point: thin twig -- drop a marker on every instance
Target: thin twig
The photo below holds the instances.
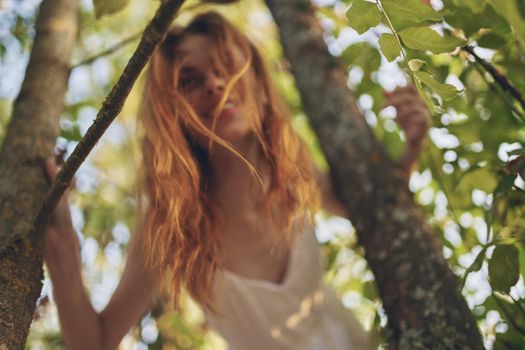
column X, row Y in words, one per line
column 126, row 41
column 518, row 305
column 398, row 39
column 108, row 51
column 509, row 317
column 111, row 107
column 499, row 90
column 439, row 178
column 500, row 78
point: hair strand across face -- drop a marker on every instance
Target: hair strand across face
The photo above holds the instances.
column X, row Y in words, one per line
column 181, row 224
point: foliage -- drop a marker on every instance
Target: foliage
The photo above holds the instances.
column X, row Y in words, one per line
column 406, row 21
column 108, row 7
column 474, row 195
column 469, row 181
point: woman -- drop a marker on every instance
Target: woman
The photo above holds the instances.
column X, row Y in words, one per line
column 228, row 190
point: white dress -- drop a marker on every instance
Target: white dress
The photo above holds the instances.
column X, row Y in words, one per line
column 302, row 312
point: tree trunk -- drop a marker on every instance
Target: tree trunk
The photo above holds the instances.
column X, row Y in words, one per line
column 30, row 138
column 420, row 295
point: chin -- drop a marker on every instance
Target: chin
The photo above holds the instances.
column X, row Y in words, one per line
column 235, row 136
column 236, row 133
column 233, row 131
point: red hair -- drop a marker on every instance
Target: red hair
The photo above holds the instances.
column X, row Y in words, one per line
column 181, row 223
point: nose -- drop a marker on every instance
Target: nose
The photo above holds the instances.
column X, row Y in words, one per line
column 215, row 84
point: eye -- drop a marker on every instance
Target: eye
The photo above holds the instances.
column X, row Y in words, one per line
column 189, row 82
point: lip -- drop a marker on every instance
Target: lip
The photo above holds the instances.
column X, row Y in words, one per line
column 228, row 110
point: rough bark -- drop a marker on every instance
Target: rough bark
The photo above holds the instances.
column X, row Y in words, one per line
column 111, row 107
column 420, row 294
column 31, row 135
column 29, row 139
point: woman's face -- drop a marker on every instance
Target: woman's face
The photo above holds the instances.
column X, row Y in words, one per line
column 203, row 87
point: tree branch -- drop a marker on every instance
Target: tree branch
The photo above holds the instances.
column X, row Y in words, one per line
column 108, row 51
column 113, row 104
column 500, row 78
column 500, row 91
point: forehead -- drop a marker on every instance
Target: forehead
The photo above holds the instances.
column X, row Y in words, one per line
column 197, row 49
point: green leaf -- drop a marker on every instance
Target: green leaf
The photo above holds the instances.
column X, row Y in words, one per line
column 424, row 38
column 72, row 134
column 416, row 64
column 107, row 7
column 447, row 91
column 389, row 46
column 504, row 268
column 505, row 185
column 508, row 240
column 410, row 10
column 362, row 54
column 475, row 266
column 467, row 132
column 470, row 22
column 432, row 107
column 363, row 15
column 492, row 41
column 476, row 6
column 3, row 51
column 370, row 290
column 510, row 10
column 517, row 152
column 521, row 8
column 480, row 178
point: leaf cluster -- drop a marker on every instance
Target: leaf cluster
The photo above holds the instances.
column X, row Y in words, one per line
column 471, row 177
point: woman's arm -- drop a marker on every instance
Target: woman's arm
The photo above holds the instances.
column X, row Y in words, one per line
column 82, row 326
column 131, row 298
column 413, row 117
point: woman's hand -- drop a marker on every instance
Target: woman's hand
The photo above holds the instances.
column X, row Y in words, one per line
column 413, row 115
column 414, row 118
column 61, row 241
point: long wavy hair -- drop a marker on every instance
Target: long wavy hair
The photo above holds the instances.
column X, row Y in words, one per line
column 181, row 223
